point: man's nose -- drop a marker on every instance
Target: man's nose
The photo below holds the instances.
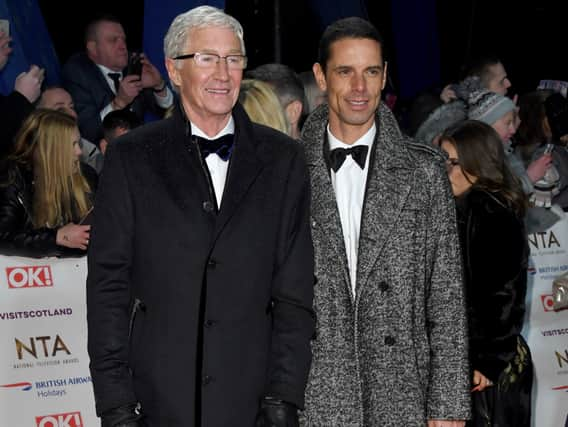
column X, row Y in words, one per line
column 222, row 69
column 358, row 82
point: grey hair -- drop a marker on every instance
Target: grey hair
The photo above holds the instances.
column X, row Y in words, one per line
column 199, row 17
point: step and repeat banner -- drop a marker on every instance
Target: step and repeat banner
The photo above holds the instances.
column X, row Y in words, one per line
column 44, row 366
column 546, row 330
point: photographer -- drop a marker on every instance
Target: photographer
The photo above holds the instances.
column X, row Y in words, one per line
column 106, row 78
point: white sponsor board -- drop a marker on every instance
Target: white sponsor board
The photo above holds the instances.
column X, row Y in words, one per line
column 44, row 374
column 546, row 331
column 44, row 366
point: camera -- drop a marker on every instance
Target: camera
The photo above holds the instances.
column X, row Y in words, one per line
column 134, row 64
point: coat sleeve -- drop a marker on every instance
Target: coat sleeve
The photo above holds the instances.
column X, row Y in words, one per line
column 496, row 277
column 88, row 104
column 15, row 239
column 449, row 383
column 108, row 287
column 292, row 294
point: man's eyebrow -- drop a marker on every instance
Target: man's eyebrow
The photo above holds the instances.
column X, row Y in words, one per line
column 235, row 51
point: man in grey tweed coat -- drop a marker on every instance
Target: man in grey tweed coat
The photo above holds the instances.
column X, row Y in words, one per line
column 391, row 341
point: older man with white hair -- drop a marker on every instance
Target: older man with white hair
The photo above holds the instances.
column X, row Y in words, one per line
column 200, row 282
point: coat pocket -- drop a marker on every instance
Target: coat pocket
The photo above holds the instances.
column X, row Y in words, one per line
column 135, row 330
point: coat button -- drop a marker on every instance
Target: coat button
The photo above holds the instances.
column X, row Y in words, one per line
column 207, row 379
column 208, row 206
column 209, row 323
column 389, row 340
column 211, row 263
column 384, row 286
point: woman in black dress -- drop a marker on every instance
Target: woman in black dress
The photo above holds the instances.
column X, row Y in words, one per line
column 491, row 206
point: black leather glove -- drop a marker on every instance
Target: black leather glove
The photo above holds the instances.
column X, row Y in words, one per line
column 277, row 413
column 123, row 416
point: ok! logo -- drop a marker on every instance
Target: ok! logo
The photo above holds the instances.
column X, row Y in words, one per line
column 69, row 419
column 37, row 276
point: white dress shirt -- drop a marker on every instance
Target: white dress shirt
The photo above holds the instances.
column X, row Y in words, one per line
column 349, row 186
column 162, row 101
column 217, row 167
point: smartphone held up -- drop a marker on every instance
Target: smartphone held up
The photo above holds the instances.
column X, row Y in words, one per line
column 134, row 64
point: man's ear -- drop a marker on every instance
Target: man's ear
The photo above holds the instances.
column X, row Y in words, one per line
column 173, row 72
column 92, row 49
column 294, row 112
column 320, row 77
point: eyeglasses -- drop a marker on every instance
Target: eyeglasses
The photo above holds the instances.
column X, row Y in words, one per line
column 210, row 60
column 451, row 162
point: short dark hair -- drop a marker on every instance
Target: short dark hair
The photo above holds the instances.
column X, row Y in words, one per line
column 480, row 67
column 114, row 120
column 93, row 25
column 284, row 81
column 354, row 28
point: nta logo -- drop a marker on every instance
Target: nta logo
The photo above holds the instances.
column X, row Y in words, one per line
column 543, row 240
column 44, row 349
column 561, row 358
column 69, row 419
column 29, row 277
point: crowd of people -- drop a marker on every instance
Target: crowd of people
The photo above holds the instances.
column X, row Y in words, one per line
column 313, row 261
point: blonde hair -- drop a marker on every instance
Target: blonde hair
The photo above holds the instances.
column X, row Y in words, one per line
column 262, row 106
column 45, row 143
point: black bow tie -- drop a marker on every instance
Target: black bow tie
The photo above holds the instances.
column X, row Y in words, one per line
column 222, row 146
column 358, row 153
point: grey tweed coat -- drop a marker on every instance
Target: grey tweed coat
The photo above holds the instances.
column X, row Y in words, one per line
column 395, row 354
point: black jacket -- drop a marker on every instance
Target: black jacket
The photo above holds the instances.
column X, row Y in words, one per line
column 91, row 93
column 17, row 233
column 495, row 252
column 193, row 313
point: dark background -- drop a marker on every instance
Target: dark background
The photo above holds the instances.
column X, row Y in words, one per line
column 529, row 37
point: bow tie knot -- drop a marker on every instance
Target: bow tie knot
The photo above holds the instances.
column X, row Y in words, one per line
column 222, row 146
column 338, row 155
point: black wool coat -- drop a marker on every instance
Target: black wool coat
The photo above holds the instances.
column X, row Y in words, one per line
column 194, row 314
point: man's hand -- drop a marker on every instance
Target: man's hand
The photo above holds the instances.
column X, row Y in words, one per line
column 151, row 77
column 446, row 423
column 29, row 83
column 5, row 49
column 124, row 416
column 276, row 413
column 129, row 88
